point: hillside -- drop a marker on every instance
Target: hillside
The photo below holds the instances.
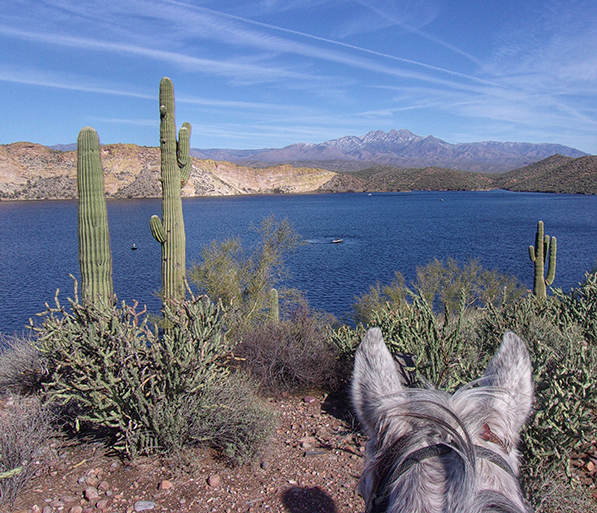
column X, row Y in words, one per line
column 386, row 179
column 554, row 174
column 32, row 171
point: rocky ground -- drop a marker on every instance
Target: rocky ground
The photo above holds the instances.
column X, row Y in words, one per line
column 312, row 465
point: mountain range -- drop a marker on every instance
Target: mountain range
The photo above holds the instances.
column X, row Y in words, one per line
column 398, row 148
column 33, row 171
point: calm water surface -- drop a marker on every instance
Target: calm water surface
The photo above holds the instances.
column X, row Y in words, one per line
column 382, row 233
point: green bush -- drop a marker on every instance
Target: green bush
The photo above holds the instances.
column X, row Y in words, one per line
column 444, row 284
column 145, row 386
column 560, row 335
column 564, row 369
column 243, row 281
column 580, row 307
column 435, row 343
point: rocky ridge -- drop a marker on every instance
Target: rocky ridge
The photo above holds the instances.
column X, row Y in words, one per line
column 33, row 171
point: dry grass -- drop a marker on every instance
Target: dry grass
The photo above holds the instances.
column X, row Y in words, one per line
column 25, row 434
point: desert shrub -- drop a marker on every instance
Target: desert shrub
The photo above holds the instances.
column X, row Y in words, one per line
column 444, row 284
column 243, row 280
column 100, row 359
column 564, row 360
column 293, row 355
column 580, row 307
column 441, row 355
column 144, row 386
column 22, row 367
column 564, row 369
column 25, row 434
column 231, row 418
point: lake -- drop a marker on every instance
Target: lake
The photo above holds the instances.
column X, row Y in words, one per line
column 382, row 233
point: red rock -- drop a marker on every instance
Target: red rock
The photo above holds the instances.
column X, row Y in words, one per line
column 102, row 504
column 165, row 485
column 214, row 480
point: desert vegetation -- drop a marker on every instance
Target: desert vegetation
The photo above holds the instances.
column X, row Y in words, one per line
column 200, row 375
column 152, row 389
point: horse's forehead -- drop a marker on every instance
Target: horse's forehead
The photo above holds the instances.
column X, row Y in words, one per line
column 464, row 408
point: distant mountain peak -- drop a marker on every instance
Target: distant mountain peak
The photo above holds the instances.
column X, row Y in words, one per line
column 400, row 148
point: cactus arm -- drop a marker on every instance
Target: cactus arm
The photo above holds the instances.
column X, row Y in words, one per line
column 95, row 256
column 532, row 253
column 551, row 271
column 185, row 162
column 157, row 230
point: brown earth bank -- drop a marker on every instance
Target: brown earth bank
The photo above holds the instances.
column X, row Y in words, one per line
column 32, row 171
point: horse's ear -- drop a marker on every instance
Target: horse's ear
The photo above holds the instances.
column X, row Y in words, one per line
column 510, row 373
column 375, row 378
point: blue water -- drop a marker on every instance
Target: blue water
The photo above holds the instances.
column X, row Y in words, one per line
column 382, row 233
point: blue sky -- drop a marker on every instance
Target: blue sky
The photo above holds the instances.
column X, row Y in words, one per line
column 267, row 73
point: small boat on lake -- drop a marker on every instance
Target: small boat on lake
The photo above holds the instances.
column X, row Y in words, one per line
column 337, row 241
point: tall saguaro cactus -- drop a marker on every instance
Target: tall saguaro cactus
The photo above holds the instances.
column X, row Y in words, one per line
column 538, row 254
column 95, row 257
column 175, row 171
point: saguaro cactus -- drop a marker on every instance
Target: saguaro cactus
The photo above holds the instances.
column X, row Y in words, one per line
column 95, row 257
column 175, row 171
column 274, row 308
column 538, row 254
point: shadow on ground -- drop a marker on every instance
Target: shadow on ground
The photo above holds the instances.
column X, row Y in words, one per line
column 308, row 500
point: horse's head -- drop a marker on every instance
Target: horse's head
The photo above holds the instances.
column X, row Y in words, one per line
column 431, row 451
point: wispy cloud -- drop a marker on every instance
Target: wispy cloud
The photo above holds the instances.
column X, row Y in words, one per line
column 315, row 66
column 67, row 81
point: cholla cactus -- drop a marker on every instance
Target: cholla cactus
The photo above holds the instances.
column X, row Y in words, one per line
column 175, row 171
column 95, row 257
column 538, row 254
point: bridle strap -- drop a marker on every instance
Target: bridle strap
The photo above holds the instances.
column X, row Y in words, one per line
column 495, row 458
column 379, row 498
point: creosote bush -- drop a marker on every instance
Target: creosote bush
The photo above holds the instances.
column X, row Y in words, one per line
column 150, row 388
column 293, row 355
